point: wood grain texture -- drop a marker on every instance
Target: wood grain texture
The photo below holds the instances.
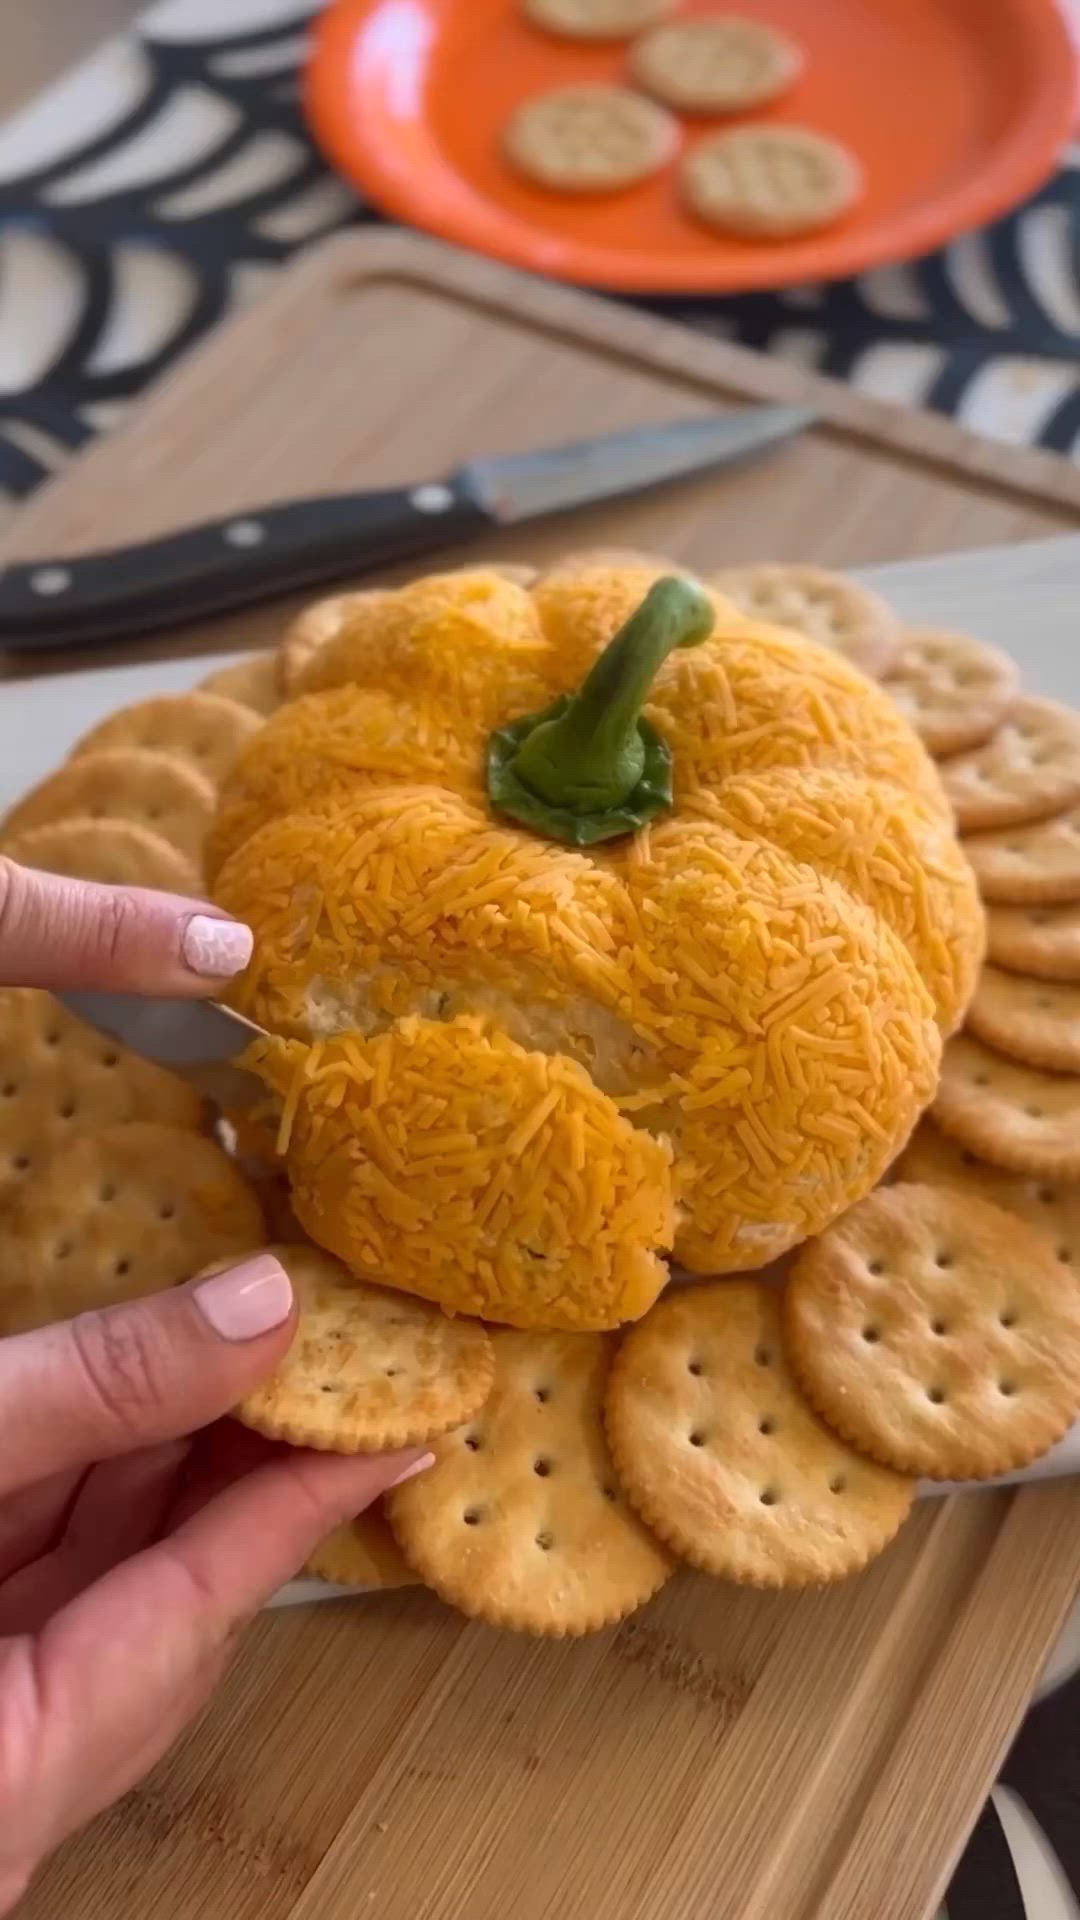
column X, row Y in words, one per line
column 807, row 1757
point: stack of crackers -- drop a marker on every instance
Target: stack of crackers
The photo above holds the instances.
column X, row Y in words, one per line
column 768, row 1430
column 112, row 1183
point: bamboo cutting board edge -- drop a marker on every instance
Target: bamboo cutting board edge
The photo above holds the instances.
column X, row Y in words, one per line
column 795, row 1757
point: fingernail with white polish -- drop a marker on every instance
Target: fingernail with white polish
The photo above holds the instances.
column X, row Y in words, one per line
column 246, row 1300
column 425, row 1461
column 216, row 948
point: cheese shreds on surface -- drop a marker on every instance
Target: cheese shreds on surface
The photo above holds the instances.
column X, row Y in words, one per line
column 510, row 1028
column 889, row 848
column 472, row 641
column 489, row 1217
column 327, row 748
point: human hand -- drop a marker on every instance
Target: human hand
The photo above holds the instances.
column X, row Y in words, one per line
column 131, row 1553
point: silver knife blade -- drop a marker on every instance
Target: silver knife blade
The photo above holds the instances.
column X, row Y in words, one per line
column 514, row 487
column 198, row 1039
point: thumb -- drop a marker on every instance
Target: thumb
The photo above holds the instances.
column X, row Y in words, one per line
column 133, row 1375
column 56, row 932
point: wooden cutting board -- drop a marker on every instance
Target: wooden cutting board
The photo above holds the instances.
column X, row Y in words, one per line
column 752, row 1757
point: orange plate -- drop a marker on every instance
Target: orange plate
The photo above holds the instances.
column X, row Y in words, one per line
column 957, row 109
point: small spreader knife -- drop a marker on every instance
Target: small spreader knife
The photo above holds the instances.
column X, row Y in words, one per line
column 198, row 1039
column 206, row 570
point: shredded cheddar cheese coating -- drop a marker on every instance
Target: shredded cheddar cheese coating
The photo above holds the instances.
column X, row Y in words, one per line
column 491, row 1180
column 754, row 989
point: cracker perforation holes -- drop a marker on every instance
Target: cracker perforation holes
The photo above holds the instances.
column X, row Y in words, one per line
column 63, row 1249
column 936, row 1396
column 1064, row 1255
column 766, row 1425
column 1007, row 1317
column 543, row 1395
column 20, row 1162
column 695, row 1367
column 472, row 1516
column 392, row 1372
column 545, row 1541
column 123, row 1266
column 1007, row 1388
column 110, row 1059
column 1034, row 1113
column 871, row 1334
column 940, row 1327
column 769, row 1497
column 875, row 1267
column 9, row 1089
column 542, row 1468
column 697, row 1438
column 472, row 1441
column 106, row 1193
column 610, row 1493
column 762, row 1356
column 838, row 1483
column 52, row 1039
column 943, row 1260
column 167, row 1210
column 67, row 1111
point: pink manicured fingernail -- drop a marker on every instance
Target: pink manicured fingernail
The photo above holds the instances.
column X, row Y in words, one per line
column 245, row 1301
column 425, row 1461
column 217, row 948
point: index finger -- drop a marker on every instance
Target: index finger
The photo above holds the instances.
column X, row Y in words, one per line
column 58, row 933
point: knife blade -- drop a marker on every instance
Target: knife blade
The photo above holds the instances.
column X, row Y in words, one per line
column 222, row 564
column 198, row 1039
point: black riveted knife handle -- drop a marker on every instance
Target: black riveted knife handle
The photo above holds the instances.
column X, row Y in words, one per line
column 223, row 564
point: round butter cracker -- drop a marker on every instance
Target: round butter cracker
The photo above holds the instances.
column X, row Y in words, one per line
column 1044, row 941
column 1014, row 1116
column 1036, row 1021
column 252, row 683
column 589, row 138
column 118, row 853
column 1053, row 1206
column 937, row 1333
column 126, row 1210
column 124, row 783
column 955, row 690
column 834, row 611
column 370, row 1368
column 363, row 1553
column 203, row 730
column 521, row 1522
column 770, row 181
column 60, row 1078
column 1029, row 770
column 720, row 64
column 1029, row 866
column 722, row 1456
column 595, row 19
column 313, row 628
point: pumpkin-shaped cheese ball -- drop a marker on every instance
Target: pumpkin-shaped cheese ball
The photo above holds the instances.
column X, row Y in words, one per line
column 603, row 919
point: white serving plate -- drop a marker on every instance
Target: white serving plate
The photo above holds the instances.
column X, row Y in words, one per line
column 1024, row 598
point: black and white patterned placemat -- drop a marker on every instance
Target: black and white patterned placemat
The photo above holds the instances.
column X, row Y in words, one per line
column 157, row 186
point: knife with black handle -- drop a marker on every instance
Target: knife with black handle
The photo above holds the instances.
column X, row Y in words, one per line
column 232, row 562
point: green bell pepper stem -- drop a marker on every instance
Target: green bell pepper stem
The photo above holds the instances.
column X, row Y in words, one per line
column 593, row 755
